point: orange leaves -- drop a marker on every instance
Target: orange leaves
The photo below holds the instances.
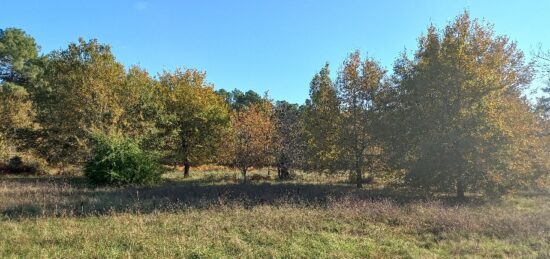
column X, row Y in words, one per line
column 251, row 136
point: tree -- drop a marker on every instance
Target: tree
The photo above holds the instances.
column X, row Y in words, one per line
column 322, row 123
column 194, row 119
column 459, row 114
column 289, row 142
column 250, row 139
column 20, row 64
column 19, row 60
column 238, row 100
column 140, row 97
column 543, row 67
column 80, row 95
column 358, row 84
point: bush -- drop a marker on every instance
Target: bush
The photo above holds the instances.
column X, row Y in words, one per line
column 119, row 161
column 23, row 164
column 15, row 164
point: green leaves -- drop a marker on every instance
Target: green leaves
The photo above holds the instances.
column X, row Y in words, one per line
column 119, row 160
column 194, row 116
column 18, row 57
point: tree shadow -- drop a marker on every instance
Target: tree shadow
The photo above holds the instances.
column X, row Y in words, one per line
column 73, row 197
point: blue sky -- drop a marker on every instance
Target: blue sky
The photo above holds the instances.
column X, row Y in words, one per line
column 262, row 45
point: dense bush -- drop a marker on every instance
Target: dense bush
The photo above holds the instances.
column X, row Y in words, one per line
column 121, row 161
column 15, row 164
column 23, row 164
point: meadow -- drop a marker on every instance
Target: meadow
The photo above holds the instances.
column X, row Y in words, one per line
column 213, row 215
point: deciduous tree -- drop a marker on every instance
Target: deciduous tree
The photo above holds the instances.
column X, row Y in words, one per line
column 80, row 95
column 358, row 84
column 194, row 119
column 322, row 123
column 289, row 144
column 460, row 114
column 249, row 142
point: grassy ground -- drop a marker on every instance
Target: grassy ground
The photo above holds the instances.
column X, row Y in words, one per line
column 212, row 215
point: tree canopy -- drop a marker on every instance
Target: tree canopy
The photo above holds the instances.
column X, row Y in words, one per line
column 453, row 116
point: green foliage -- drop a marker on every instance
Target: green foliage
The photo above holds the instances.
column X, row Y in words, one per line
column 118, row 161
column 238, row 100
column 194, row 117
column 19, row 61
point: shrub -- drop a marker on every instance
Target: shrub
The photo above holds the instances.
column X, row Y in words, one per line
column 120, row 161
column 15, row 165
column 23, row 164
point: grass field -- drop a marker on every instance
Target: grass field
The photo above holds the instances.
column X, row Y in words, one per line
column 212, row 215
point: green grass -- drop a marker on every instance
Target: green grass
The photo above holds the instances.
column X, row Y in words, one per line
column 212, row 215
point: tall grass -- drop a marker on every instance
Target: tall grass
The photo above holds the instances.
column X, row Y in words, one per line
column 211, row 215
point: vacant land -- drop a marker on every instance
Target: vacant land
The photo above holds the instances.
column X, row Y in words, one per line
column 212, row 215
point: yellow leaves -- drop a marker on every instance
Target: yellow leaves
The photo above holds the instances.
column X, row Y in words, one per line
column 196, row 116
column 16, row 109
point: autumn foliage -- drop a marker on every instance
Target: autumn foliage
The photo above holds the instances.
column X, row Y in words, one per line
column 451, row 116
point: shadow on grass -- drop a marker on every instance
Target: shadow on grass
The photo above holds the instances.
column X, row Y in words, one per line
column 73, row 197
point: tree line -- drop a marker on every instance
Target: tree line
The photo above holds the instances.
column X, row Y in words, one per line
column 451, row 116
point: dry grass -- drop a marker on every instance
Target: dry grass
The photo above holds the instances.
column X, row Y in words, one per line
column 210, row 215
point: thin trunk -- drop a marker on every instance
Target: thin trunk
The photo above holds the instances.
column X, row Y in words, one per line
column 359, row 176
column 282, row 172
column 460, row 189
column 243, row 172
column 186, row 170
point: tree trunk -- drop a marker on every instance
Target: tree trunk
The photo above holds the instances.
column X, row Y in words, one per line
column 460, row 189
column 359, row 176
column 243, row 172
column 282, row 172
column 186, row 170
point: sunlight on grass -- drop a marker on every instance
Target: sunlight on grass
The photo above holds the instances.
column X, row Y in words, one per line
column 211, row 214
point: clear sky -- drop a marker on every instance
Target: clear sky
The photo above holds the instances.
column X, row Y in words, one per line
column 261, row 45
